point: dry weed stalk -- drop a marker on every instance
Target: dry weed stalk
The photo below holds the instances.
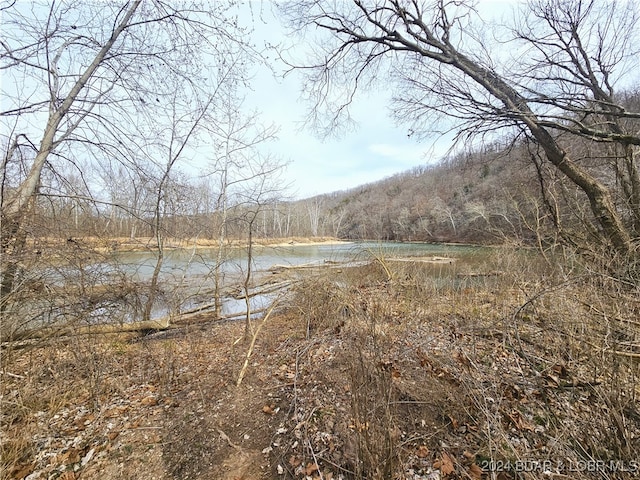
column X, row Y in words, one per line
column 254, row 337
column 534, row 357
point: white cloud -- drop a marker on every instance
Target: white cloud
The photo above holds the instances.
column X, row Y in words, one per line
column 374, row 150
column 408, row 154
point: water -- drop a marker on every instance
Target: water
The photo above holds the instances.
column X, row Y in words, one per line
column 186, row 279
column 190, row 272
column 201, row 262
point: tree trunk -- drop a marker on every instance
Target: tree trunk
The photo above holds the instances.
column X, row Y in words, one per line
column 599, row 196
column 247, row 282
column 13, row 235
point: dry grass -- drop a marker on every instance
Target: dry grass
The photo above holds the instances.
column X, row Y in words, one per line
column 54, row 387
column 362, row 377
column 127, row 244
column 531, row 370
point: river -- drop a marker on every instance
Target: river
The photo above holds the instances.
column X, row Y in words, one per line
column 115, row 288
column 198, row 262
column 190, row 271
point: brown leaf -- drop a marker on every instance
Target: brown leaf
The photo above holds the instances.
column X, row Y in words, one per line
column 311, row 467
column 149, row 401
column 560, row 370
column 132, row 425
column 454, row 422
column 79, row 426
column 475, row 472
column 519, row 422
column 446, row 465
column 512, row 392
column 552, row 380
column 71, row 456
column 422, row 451
column 294, row 461
column 468, row 455
column 22, row 471
column 268, row 409
column 82, row 422
column 85, row 420
column 116, row 411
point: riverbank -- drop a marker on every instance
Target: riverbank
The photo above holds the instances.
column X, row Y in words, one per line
column 353, row 375
column 141, row 244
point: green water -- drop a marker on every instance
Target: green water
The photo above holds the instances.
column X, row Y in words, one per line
column 202, row 261
column 187, row 280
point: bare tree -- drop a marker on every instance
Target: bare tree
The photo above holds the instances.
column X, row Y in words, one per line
column 569, row 57
column 234, row 168
column 262, row 188
column 86, row 83
column 314, row 208
column 184, row 128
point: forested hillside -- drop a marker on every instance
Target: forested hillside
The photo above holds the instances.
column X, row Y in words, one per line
column 503, row 191
column 487, row 195
column 483, row 196
column 494, row 193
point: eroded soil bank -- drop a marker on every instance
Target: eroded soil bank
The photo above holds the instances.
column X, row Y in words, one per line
column 139, row 244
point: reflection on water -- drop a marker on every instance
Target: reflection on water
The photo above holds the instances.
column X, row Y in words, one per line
column 191, row 270
column 258, row 303
column 187, row 282
column 200, row 262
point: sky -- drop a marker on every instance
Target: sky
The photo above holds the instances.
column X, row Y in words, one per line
column 376, row 148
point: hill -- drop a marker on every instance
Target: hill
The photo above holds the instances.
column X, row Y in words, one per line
column 482, row 196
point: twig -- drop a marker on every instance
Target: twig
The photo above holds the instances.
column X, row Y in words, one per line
column 226, row 438
column 337, row 466
column 614, row 317
column 410, row 402
column 32, row 338
column 296, row 267
column 603, row 348
column 183, row 317
column 243, row 371
column 268, row 289
column 589, row 385
column 623, row 354
column 315, row 459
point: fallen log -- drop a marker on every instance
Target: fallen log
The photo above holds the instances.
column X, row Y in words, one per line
column 496, row 273
column 268, row 288
column 34, row 337
column 279, row 267
column 444, row 260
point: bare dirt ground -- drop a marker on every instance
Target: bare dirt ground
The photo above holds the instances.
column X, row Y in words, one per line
column 150, row 408
column 355, row 378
